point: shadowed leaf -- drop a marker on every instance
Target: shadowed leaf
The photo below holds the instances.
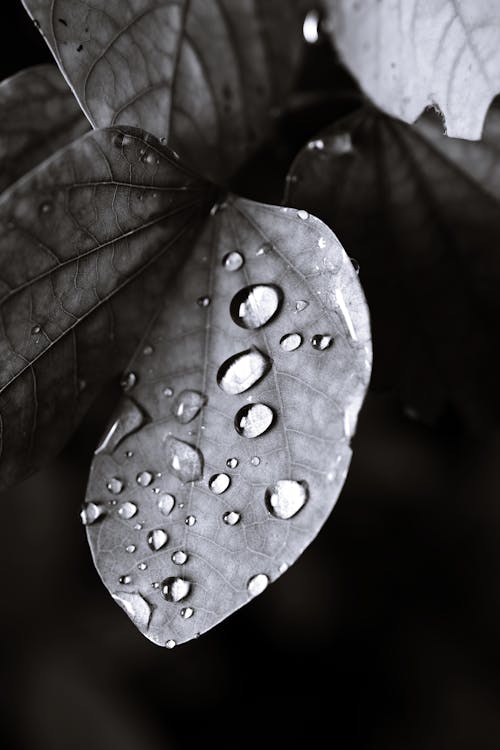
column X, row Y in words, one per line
column 250, row 382
column 409, row 54
column 202, row 73
column 421, row 214
column 39, row 116
column 113, row 208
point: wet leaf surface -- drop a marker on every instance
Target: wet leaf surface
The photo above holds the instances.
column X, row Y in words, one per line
column 39, row 116
column 409, row 54
column 245, row 442
column 88, row 242
column 420, row 213
column 202, row 73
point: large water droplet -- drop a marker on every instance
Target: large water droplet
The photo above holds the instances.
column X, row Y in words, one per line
column 175, row 589
column 114, row 485
column 257, row 584
column 286, row 497
column 290, row 342
column 231, row 518
column 125, row 580
column 179, row 557
column 254, row 306
column 253, row 420
column 219, row 483
column 302, row 215
column 233, row 261
column 135, row 606
column 144, row 478
column 166, row 503
column 157, row 539
column 127, row 419
column 127, row 510
column 188, row 405
column 91, row 513
column 301, row 305
column 184, row 460
column 170, row 643
column 187, row 612
column 242, row 371
column 321, row 341
column 232, row 463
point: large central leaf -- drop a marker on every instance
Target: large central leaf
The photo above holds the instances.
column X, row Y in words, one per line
column 232, row 443
column 201, row 73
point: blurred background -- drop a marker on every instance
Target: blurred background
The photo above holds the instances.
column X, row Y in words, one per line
column 383, row 635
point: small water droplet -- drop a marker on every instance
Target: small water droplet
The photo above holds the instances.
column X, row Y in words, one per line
column 253, row 420
column 127, row 510
column 130, row 548
column 302, row 215
column 166, row 503
column 46, row 207
column 341, row 144
column 255, row 461
column 179, row 557
column 128, row 381
column 125, row 580
column 184, row 460
column 264, row 249
column 135, row 606
column 174, row 589
column 286, row 497
column 181, row 505
column 231, row 518
column 168, row 392
column 233, row 261
column 188, row 405
column 232, row 463
column 157, row 539
column 138, row 526
column 257, row 584
column 283, row 567
column 317, row 145
column 190, row 521
column 170, row 643
column 242, row 371
column 125, row 420
column 129, row 454
column 91, row 513
column 321, row 341
column 203, row 301
column 290, row 342
column 255, row 306
column 301, row 305
column 310, row 28
column 114, row 485
column 355, row 264
column 144, row 478
column 219, row 483
column 322, row 243
column 35, row 330
column 142, row 566
column 148, row 350
column 155, row 585
column 187, row 612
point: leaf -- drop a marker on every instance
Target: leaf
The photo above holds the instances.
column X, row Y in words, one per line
column 421, row 214
column 177, row 509
column 201, row 73
column 39, row 116
column 88, row 242
column 408, row 55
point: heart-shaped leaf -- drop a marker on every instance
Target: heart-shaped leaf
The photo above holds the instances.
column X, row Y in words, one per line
column 421, row 214
column 232, row 443
column 114, row 207
column 39, row 116
column 202, row 73
column 408, row 55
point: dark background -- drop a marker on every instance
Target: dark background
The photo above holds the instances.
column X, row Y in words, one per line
column 384, row 634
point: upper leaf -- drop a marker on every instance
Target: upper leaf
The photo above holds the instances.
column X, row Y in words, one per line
column 421, row 214
column 39, row 115
column 409, row 54
column 114, row 207
column 201, row 73
column 232, row 443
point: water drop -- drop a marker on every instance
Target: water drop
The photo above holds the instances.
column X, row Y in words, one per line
column 242, row 371
column 125, row 580
column 255, row 306
column 255, row 461
column 203, row 301
column 286, row 497
column 310, row 28
column 232, row 463
column 188, row 405
column 115, row 485
column 126, row 419
column 301, row 304
column 322, row 243
column 46, row 207
column 168, row 392
column 341, row 144
column 130, row 548
column 190, row 520
column 264, row 249
column 187, row 612
column 175, row 589
column 184, row 460
column 35, row 330
column 231, row 518
column 135, row 606
column 321, row 341
column 302, row 215
column 91, row 513
column 129, row 454
column 170, row 643
column 157, row 539
column 355, row 264
column 179, row 557
column 138, row 526
column 317, row 145
column 253, row 420
column 257, row 584
column 121, row 139
column 144, row 478
column 142, row 566
column 148, row 350
column 233, row 261
column 290, row 342
column 127, row 510
column 283, row 567
column 219, row 483
column 166, row 503
column 128, row 381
